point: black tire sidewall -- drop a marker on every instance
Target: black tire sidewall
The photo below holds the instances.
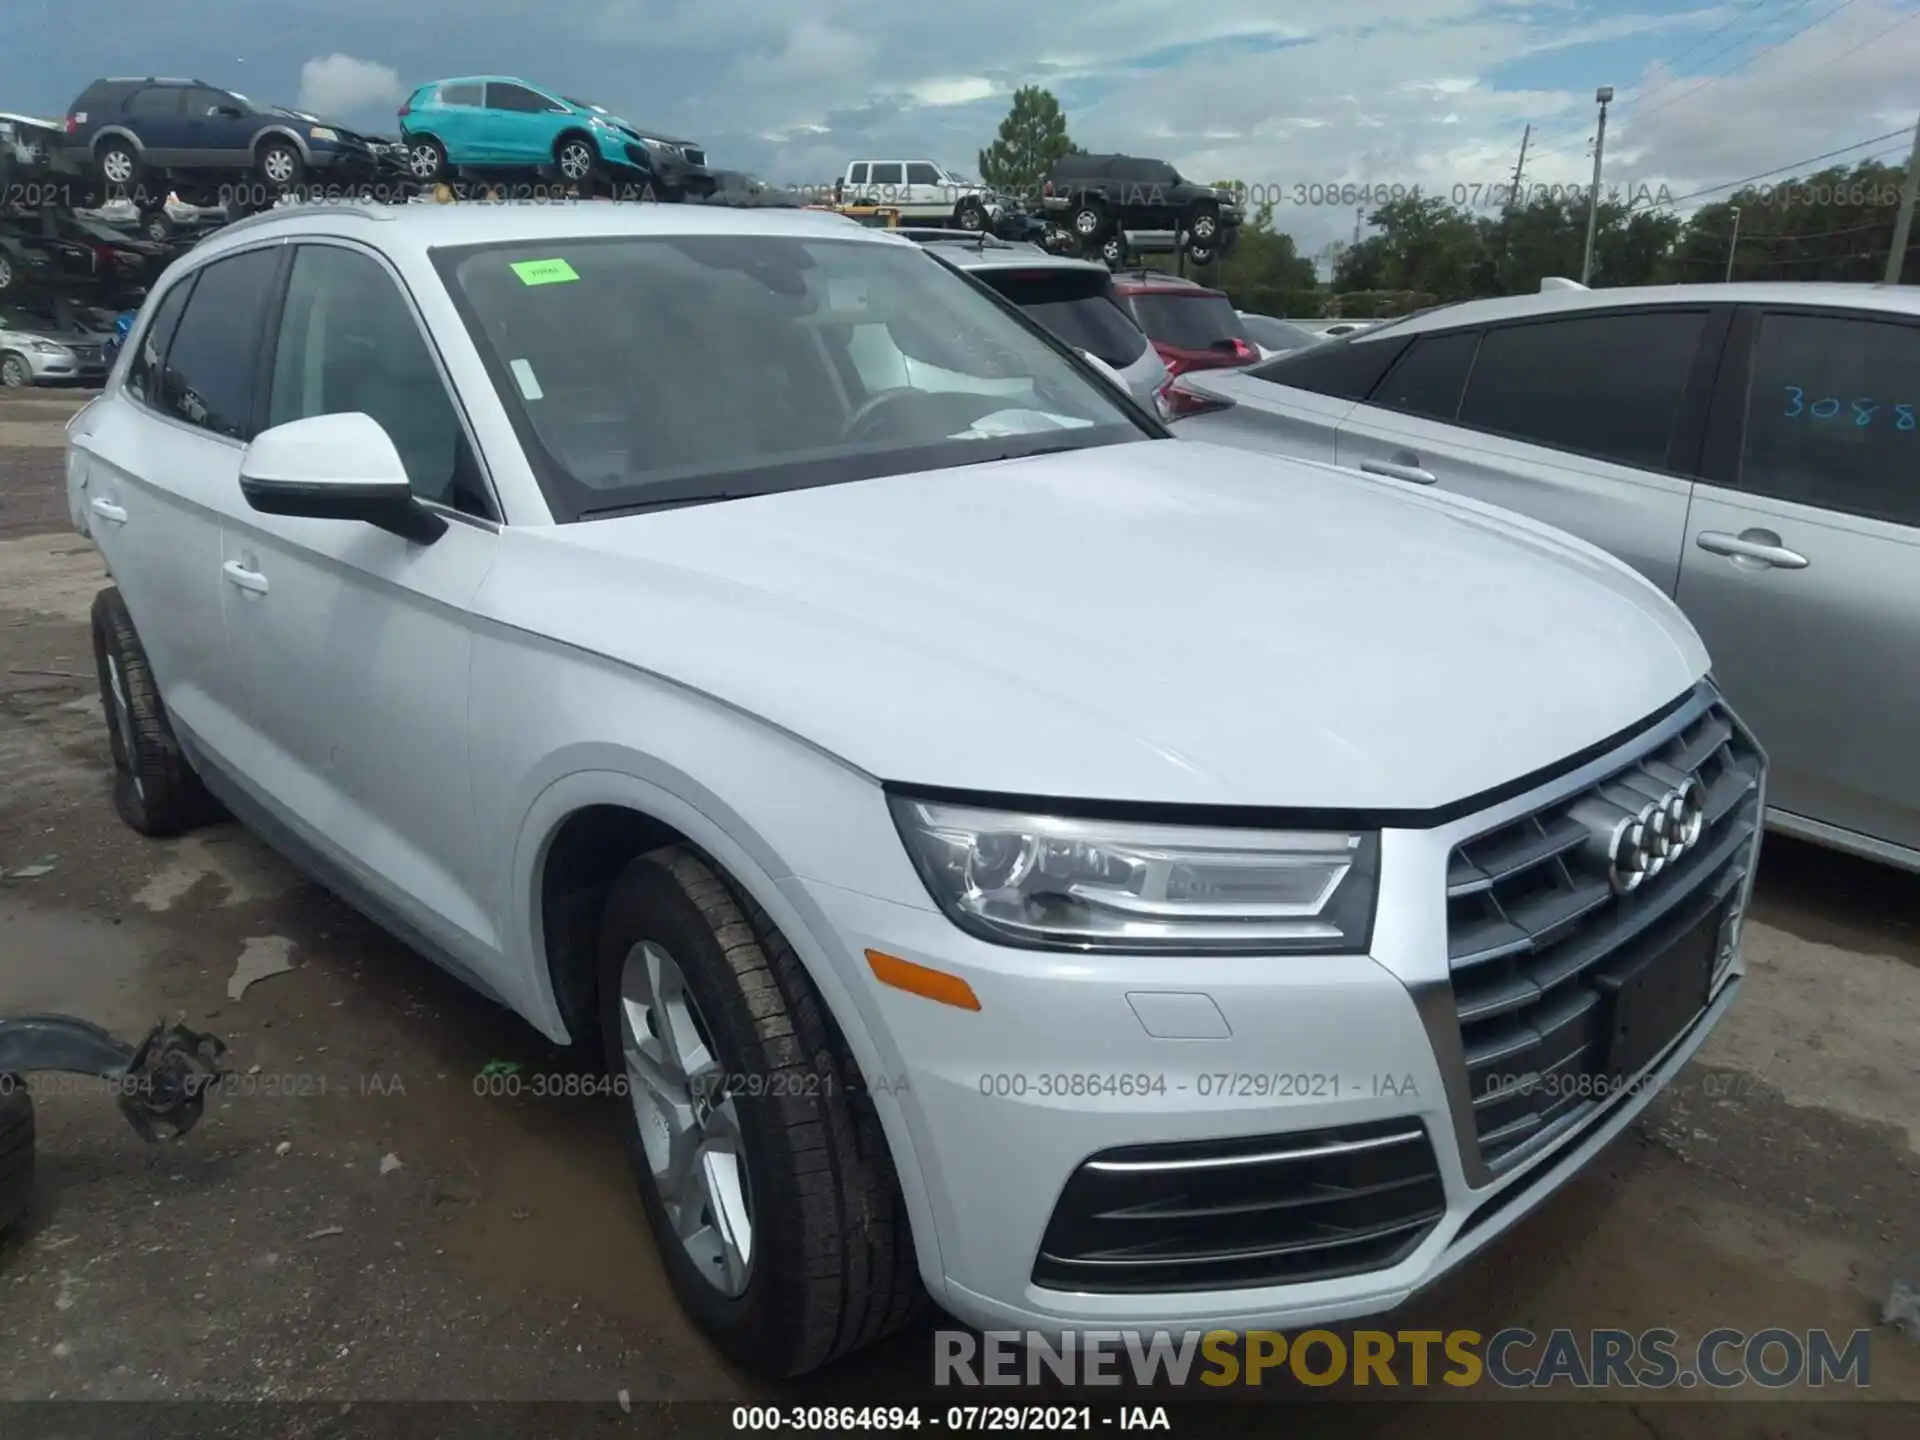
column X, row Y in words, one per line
column 174, row 800
column 16, row 1149
column 647, row 903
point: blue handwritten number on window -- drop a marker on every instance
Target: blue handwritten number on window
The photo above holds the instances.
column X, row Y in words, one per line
column 1905, row 412
column 1825, row 409
column 1797, row 403
column 1863, row 412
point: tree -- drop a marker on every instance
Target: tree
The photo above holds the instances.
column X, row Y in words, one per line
column 1031, row 138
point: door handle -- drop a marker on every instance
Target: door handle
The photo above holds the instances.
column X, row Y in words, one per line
column 108, row 511
column 1761, row 546
column 238, row 575
column 1413, row 474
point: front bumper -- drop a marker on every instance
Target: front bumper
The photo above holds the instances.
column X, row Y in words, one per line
column 65, row 369
column 1071, row 1057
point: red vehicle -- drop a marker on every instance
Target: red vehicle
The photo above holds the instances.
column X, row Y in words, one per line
column 1192, row 327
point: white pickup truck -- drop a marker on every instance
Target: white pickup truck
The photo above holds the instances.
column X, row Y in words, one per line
column 923, row 193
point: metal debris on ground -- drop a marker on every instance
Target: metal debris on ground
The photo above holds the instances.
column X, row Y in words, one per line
column 1902, row 1310
column 389, row 1163
column 42, row 866
column 326, row 1230
column 260, row 957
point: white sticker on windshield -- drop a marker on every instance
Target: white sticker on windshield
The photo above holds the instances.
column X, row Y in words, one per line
column 529, row 383
column 847, row 294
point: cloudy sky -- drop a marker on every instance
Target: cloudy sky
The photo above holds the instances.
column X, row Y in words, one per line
column 1374, row 92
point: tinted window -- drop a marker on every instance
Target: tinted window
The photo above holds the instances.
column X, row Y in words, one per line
column 621, row 362
column 1076, row 307
column 143, row 371
column 1194, row 320
column 1833, row 415
column 154, row 102
column 201, row 103
column 1344, row 369
column 857, row 174
column 887, row 175
column 1429, row 378
column 922, row 175
column 215, row 352
column 459, row 94
column 1609, row 386
column 1277, row 334
column 348, row 341
column 516, row 98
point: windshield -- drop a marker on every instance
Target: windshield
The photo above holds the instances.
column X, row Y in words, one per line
column 1272, row 334
column 1076, row 306
column 661, row 370
column 1189, row 320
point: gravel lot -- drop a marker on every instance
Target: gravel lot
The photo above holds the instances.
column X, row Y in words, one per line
column 381, row 1232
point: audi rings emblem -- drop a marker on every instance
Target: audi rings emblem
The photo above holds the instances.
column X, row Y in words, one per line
column 1664, row 827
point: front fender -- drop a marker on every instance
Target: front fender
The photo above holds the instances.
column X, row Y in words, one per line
column 284, row 132
column 595, row 774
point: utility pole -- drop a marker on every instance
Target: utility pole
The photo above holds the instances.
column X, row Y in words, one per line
column 1359, row 215
column 1733, row 244
column 1520, row 165
column 1603, row 95
column 1897, row 257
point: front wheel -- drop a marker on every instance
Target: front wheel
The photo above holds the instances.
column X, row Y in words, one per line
column 578, row 159
column 15, row 373
column 281, row 165
column 970, row 215
column 759, row 1159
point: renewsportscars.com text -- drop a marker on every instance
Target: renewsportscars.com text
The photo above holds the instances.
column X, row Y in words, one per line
column 1510, row 1359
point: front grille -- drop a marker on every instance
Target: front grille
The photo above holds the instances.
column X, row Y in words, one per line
column 1206, row 1215
column 695, row 155
column 1540, row 944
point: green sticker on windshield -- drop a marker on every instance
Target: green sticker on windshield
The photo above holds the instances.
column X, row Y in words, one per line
column 544, row 272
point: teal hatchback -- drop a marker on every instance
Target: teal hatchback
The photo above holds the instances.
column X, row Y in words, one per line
column 491, row 122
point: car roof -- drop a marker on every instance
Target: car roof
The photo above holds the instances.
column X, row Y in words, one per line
column 973, row 252
column 1902, row 299
column 399, row 228
column 1149, row 282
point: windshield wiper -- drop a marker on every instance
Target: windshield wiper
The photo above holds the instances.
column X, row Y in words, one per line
column 668, row 502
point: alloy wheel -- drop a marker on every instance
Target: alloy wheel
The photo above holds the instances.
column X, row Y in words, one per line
column 689, row 1128
column 424, row 162
column 1086, row 222
column 123, row 717
column 6, row 272
column 1203, row 227
column 576, row 161
column 14, row 374
column 117, row 166
column 279, row 166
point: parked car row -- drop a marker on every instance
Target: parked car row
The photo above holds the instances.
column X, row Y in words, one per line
column 978, row 764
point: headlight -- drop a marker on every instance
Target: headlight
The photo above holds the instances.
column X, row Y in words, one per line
column 321, row 132
column 1044, row 882
column 47, row 347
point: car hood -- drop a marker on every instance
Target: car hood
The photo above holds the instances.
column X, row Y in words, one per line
column 1166, row 621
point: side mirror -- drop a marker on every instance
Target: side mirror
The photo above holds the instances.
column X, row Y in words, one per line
column 1112, row 376
column 335, row 467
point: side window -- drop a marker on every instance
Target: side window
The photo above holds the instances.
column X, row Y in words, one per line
column 349, row 342
column 922, row 173
column 518, row 99
column 460, row 95
column 1430, row 377
column 144, row 370
column 215, row 352
column 1609, row 386
column 200, row 104
column 857, row 175
column 155, row 102
column 1831, row 415
column 887, row 173
column 1344, row 369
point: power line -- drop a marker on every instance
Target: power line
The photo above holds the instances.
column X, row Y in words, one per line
column 1856, row 49
column 1762, row 238
column 1778, row 169
column 1712, row 80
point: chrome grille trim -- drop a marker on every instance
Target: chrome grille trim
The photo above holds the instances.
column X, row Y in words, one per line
column 1533, row 923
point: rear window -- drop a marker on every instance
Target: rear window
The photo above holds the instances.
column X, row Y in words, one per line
column 1076, row 306
column 1196, row 321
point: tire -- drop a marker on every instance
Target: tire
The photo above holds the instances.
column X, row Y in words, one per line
column 154, row 788
column 158, row 227
column 426, row 160
column 1202, row 254
column 119, row 166
column 1088, row 221
column 6, row 272
column 1113, row 250
column 829, row 1265
column 16, row 1149
column 1203, row 226
column 970, row 215
column 15, row 373
column 281, row 165
column 578, row 159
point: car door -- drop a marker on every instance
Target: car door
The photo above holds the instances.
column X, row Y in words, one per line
column 1590, row 422
column 520, row 125
column 156, row 114
column 158, row 461
column 219, row 130
column 352, row 644
column 925, row 195
column 886, row 183
column 1802, row 568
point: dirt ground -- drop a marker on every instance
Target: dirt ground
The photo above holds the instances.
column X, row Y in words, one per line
column 353, row 1222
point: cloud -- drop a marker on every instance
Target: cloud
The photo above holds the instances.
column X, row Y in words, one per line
column 342, row 85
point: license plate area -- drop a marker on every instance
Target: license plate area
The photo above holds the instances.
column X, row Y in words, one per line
column 1647, row 1003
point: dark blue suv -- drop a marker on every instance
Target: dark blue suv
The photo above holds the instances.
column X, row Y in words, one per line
column 151, row 134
